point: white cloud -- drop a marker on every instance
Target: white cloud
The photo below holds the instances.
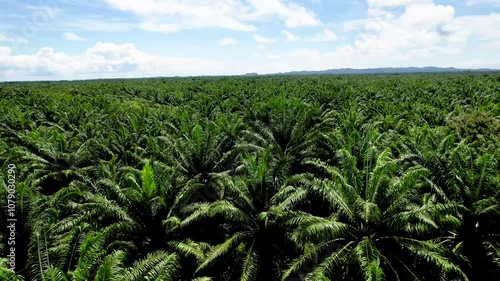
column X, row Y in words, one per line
column 292, row 14
column 420, row 29
column 326, row 36
column 421, row 25
column 484, row 28
column 290, row 37
column 426, row 15
column 415, row 33
column 227, row 41
column 238, row 15
column 70, row 36
column 108, row 60
column 104, row 60
column 263, row 40
column 173, row 16
column 351, row 57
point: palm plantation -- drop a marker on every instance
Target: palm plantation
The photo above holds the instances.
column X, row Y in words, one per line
column 256, row 178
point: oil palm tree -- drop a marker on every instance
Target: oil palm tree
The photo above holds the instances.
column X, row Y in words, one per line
column 133, row 214
column 380, row 226
column 475, row 186
column 465, row 176
column 94, row 263
column 256, row 244
column 290, row 128
column 200, row 153
column 51, row 159
column 25, row 201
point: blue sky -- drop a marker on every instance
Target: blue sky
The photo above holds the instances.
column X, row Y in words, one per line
column 71, row 39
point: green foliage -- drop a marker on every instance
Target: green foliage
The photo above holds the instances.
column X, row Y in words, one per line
column 253, row 178
column 475, row 125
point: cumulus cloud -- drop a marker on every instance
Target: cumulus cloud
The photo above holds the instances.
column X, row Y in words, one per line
column 70, row 36
column 393, row 33
column 426, row 15
column 104, row 60
column 421, row 25
column 479, row 27
column 350, row 57
column 108, row 60
column 419, row 29
column 227, row 41
column 238, row 15
column 292, row 14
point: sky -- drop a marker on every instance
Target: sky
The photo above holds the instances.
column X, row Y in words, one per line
column 72, row 39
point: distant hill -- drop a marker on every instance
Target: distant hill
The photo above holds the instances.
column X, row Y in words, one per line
column 252, row 74
column 386, row 70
